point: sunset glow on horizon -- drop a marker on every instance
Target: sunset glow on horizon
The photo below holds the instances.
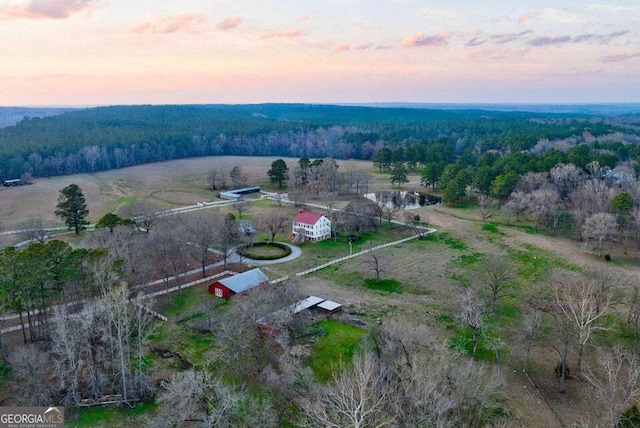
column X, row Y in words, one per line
column 98, row 52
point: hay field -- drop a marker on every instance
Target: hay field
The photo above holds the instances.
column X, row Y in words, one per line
column 164, row 184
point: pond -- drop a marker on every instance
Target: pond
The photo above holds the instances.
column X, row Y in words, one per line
column 403, row 199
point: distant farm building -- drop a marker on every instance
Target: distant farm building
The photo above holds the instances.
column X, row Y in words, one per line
column 14, row 182
column 236, row 284
column 309, row 226
column 237, row 194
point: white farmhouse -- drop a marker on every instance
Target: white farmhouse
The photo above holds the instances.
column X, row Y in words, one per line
column 308, row 226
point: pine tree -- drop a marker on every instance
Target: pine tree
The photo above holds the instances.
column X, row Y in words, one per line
column 399, row 174
column 72, row 208
column 279, row 172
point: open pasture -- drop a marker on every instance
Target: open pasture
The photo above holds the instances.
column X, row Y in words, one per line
column 163, row 185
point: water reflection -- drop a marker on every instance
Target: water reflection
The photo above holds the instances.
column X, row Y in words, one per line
column 403, row 199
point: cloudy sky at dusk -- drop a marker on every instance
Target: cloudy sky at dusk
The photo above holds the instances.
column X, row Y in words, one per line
column 89, row 52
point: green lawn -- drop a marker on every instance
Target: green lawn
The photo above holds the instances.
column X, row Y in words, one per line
column 388, row 285
column 335, row 347
column 536, row 264
column 110, row 416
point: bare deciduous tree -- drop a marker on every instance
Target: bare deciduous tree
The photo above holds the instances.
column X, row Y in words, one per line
column 599, row 226
column 31, row 368
column 373, row 259
column 496, row 274
column 580, row 300
column 358, row 397
column 35, row 229
column 197, row 398
column 618, row 383
column 517, row 204
column 542, row 206
column 240, row 206
column 486, row 206
column 565, row 178
column 274, row 222
column 170, row 250
column 202, row 231
column 531, row 325
column 472, row 315
column 415, row 221
column 217, row 178
column 238, row 178
column 145, row 214
column 246, row 351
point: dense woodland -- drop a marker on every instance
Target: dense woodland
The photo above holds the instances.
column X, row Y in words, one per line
column 105, row 138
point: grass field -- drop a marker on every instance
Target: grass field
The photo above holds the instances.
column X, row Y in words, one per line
column 164, row 184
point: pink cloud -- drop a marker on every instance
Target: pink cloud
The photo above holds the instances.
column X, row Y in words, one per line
column 53, row 9
column 304, row 17
column 525, row 17
column 342, row 48
column 283, row 33
column 182, row 23
column 230, row 23
column 620, row 57
column 439, row 39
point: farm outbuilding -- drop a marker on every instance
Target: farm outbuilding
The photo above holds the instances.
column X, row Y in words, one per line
column 330, row 307
column 242, row 282
column 237, row 194
column 269, row 325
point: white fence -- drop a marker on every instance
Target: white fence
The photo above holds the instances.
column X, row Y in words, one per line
column 360, row 253
column 187, row 285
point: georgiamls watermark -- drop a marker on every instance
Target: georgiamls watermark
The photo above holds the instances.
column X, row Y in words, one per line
column 31, row 417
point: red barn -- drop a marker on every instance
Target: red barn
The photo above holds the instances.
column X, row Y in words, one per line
column 231, row 285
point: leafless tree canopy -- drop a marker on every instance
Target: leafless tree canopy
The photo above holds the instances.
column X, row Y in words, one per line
column 197, row 398
column 616, row 381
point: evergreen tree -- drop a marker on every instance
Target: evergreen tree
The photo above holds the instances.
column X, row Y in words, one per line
column 279, row 172
column 72, row 208
column 399, row 174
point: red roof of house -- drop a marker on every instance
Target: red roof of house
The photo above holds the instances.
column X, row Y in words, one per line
column 307, row 217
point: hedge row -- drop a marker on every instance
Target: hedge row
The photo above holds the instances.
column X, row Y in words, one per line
column 245, row 251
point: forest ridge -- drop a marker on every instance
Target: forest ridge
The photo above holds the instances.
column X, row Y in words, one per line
column 103, row 138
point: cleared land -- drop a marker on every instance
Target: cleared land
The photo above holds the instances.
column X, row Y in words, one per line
column 429, row 273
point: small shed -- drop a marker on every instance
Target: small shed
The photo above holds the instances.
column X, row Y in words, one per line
column 306, row 303
column 330, row 306
column 231, row 285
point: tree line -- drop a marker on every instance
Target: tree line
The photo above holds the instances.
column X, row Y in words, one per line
column 114, row 137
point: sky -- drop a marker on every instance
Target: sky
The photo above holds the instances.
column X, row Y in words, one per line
column 102, row 52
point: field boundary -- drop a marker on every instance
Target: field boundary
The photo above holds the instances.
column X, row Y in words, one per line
column 428, row 231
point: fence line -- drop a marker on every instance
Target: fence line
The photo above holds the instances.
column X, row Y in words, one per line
column 150, row 311
column 136, row 300
column 351, row 256
column 187, row 285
